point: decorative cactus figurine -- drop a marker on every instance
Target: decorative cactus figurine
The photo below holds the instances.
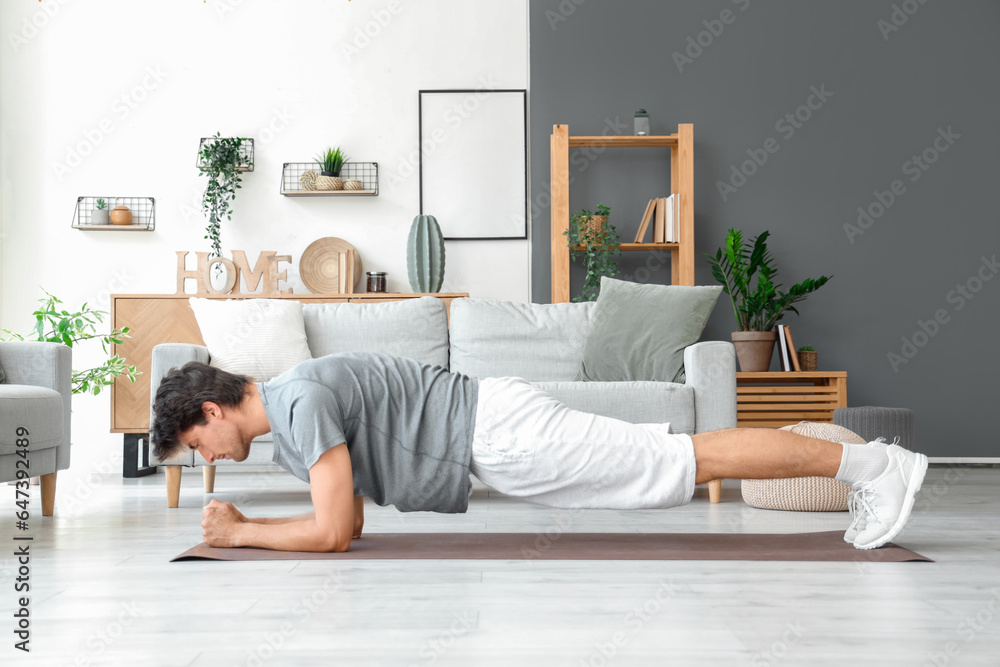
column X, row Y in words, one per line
column 425, row 255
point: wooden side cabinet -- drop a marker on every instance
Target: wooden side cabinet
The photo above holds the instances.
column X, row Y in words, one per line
column 776, row 399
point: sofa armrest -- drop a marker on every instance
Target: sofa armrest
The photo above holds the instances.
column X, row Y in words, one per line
column 43, row 365
column 165, row 357
column 710, row 367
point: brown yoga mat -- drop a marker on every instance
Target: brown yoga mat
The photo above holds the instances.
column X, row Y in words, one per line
column 825, row 546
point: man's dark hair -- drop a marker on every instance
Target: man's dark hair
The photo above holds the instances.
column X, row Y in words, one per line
column 178, row 402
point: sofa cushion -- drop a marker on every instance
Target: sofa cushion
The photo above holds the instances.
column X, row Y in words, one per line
column 414, row 328
column 634, row 402
column 32, row 408
column 639, row 332
column 261, row 338
column 493, row 338
column 3, row 376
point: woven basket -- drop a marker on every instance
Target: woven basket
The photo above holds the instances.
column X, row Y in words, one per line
column 329, row 183
column 352, row 184
column 803, row 494
column 593, row 225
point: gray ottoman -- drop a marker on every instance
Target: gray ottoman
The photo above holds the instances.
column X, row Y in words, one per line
column 873, row 422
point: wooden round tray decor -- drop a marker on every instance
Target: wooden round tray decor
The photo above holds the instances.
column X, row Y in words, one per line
column 319, row 267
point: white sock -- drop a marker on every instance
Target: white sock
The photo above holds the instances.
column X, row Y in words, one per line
column 861, row 463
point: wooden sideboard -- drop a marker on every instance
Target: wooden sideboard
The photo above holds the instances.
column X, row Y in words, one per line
column 776, row 399
column 167, row 318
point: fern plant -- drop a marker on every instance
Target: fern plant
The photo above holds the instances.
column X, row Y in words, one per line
column 221, row 160
column 55, row 325
column 756, row 307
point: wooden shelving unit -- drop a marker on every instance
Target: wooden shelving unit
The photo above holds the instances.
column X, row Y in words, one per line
column 681, row 147
column 776, row 399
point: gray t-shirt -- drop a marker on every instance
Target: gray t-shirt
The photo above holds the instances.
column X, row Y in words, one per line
column 408, row 426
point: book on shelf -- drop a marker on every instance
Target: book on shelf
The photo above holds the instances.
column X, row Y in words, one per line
column 644, row 224
column 677, row 217
column 671, row 235
column 786, row 364
column 659, row 220
column 792, row 354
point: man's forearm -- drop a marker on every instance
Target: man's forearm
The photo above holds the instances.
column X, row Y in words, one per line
column 303, row 535
column 284, row 519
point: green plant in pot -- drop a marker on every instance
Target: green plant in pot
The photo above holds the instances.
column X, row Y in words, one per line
column 222, row 160
column 808, row 357
column 56, row 325
column 331, row 162
column 757, row 307
column 99, row 216
column 597, row 244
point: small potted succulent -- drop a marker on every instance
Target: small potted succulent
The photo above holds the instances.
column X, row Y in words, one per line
column 757, row 308
column 807, row 357
column 331, row 161
column 121, row 215
column 99, row 216
column 598, row 243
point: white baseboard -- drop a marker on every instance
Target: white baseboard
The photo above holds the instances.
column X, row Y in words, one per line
column 959, row 460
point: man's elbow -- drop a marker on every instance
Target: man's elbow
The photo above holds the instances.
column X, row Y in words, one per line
column 335, row 544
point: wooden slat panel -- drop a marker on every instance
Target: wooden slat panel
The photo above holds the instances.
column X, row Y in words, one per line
column 622, row 141
column 801, row 389
column 788, row 398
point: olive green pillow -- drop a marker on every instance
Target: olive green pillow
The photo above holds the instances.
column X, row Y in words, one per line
column 639, row 332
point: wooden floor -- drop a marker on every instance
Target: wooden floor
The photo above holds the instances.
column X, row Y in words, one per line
column 102, row 591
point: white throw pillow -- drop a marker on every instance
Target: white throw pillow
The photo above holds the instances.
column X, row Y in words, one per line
column 261, row 338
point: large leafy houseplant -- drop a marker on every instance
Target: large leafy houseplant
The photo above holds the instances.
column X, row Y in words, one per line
column 221, row 159
column 598, row 244
column 757, row 307
column 61, row 326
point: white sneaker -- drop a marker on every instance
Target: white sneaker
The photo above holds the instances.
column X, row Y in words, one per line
column 886, row 501
column 857, row 518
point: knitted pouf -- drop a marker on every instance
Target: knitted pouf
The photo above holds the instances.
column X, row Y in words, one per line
column 871, row 422
column 804, row 494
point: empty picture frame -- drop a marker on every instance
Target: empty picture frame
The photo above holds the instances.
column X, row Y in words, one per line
column 473, row 162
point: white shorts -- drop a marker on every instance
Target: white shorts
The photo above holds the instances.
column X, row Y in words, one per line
column 529, row 445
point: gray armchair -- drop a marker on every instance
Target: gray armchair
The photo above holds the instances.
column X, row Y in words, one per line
column 35, row 413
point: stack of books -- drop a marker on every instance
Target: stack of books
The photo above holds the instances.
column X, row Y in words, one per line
column 666, row 217
column 789, row 357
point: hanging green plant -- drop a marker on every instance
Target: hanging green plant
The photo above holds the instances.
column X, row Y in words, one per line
column 221, row 159
column 598, row 244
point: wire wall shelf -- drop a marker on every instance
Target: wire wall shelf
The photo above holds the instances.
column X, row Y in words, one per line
column 88, row 216
column 294, row 185
column 246, row 152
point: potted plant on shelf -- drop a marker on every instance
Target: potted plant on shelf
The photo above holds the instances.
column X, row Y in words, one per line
column 99, row 216
column 120, row 215
column 598, row 244
column 757, row 308
column 808, row 357
column 331, row 161
column 222, row 161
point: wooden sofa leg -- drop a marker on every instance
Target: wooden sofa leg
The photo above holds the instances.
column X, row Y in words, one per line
column 48, row 494
column 715, row 490
column 173, row 485
column 208, row 475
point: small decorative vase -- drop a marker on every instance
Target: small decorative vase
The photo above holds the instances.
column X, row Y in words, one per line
column 352, row 184
column 754, row 349
column 121, row 215
column 308, row 180
column 327, row 181
column 807, row 359
column 99, row 216
column 425, row 255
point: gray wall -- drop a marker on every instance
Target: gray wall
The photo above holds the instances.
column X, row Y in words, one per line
column 890, row 98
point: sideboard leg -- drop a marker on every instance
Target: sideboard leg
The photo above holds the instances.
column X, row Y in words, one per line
column 130, row 456
column 173, row 485
column 715, row 490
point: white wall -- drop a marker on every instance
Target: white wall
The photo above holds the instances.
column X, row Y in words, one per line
column 134, row 85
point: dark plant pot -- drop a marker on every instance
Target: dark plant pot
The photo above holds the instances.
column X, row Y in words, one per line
column 754, row 349
column 807, row 360
column 330, row 173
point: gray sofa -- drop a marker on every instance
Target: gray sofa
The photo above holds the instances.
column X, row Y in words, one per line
column 35, row 413
column 542, row 343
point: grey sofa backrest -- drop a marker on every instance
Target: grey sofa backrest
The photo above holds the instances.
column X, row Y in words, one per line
column 414, row 328
column 493, row 338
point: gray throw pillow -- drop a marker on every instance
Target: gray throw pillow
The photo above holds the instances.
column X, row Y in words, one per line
column 639, row 332
column 3, row 376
